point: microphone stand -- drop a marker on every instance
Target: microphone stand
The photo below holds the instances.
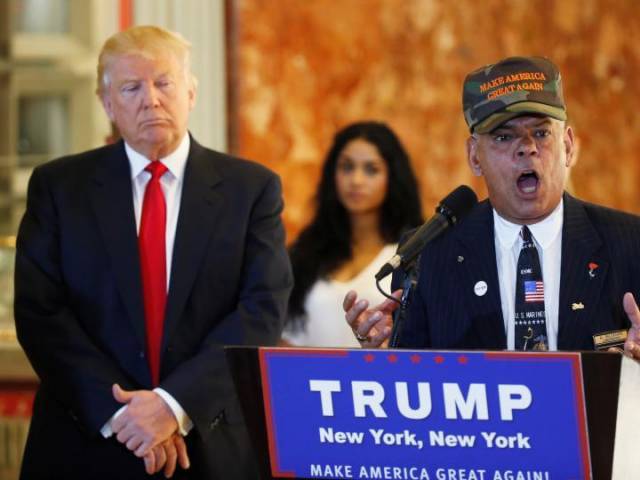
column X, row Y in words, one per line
column 412, row 272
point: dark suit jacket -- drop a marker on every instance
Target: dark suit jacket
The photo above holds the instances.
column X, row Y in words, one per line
column 446, row 313
column 79, row 311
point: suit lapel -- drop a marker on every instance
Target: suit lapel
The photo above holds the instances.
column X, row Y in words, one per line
column 579, row 291
column 112, row 201
column 199, row 207
column 477, row 264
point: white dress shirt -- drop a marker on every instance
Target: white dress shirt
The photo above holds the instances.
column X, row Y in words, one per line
column 325, row 325
column 547, row 236
column 171, row 183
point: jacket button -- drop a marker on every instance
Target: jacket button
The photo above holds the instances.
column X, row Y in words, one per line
column 216, row 421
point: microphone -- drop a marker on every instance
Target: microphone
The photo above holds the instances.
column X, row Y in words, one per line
column 450, row 210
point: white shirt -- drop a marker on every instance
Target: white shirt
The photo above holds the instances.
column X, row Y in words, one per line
column 547, row 236
column 171, row 183
column 325, row 325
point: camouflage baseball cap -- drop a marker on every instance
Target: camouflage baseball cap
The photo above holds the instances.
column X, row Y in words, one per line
column 494, row 94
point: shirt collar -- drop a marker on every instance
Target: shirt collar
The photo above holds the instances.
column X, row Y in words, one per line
column 544, row 232
column 175, row 161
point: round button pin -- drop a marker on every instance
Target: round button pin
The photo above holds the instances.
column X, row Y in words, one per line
column 480, row 288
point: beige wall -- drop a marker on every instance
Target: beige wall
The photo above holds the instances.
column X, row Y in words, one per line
column 202, row 23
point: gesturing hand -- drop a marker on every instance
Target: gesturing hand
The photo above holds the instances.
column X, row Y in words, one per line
column 632, row 345
column 372, row 327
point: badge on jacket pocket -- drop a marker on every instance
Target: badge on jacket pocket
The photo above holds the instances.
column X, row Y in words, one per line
column 611, row 339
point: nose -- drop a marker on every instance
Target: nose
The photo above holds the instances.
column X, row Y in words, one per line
column 150, row 96
column 527, row 146
column 358, row 176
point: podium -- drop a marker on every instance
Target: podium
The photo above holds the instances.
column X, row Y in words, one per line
column 454, row 415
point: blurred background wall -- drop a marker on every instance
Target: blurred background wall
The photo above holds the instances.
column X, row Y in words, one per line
column 48, row 53
column 302, row 69
column 277, row 78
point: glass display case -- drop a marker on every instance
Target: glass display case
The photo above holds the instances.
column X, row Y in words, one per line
column 48, row 50
column 48, row 28
column 48, row 108
column 42, row 16
column 51, row 112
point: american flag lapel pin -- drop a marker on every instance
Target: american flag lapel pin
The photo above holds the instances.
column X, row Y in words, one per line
column 592, row 268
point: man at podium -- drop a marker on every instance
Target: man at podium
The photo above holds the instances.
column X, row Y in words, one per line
column 531, row 267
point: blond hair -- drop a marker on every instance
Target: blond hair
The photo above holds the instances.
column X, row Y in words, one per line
column 147, row 41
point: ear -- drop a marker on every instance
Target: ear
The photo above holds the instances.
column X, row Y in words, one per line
column 192, row 92
column 570, row 147
column 106, row 104
column 472, row 156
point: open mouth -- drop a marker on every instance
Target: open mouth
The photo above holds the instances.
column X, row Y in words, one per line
column 528, row 182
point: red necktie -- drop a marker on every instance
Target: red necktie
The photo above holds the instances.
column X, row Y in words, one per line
column 151, row 244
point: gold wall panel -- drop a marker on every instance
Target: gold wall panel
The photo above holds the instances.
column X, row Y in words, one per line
column 300, row 69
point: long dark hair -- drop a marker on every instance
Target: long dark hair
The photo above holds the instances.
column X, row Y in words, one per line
column 326, row 242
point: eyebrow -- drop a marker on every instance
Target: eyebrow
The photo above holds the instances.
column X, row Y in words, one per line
column 128, row 80
column 138, row 79
column 346, row 156
column 508, row 125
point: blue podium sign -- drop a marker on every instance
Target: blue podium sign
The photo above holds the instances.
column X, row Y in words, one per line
column 393, row 414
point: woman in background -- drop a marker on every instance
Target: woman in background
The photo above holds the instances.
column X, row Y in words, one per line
column 367, row 197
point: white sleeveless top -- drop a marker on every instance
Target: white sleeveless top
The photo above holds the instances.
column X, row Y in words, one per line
column 326, row 325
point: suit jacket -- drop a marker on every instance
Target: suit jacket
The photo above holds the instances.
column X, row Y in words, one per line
column 445, row 311
column 79, row 310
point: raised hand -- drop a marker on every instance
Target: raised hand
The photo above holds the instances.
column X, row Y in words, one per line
column 632, row 345
column 371, row 326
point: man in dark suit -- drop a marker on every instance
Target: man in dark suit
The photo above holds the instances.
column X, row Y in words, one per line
column 136, row 263
column 479, row 286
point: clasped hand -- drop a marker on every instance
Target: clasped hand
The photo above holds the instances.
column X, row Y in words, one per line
column 150, row 430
